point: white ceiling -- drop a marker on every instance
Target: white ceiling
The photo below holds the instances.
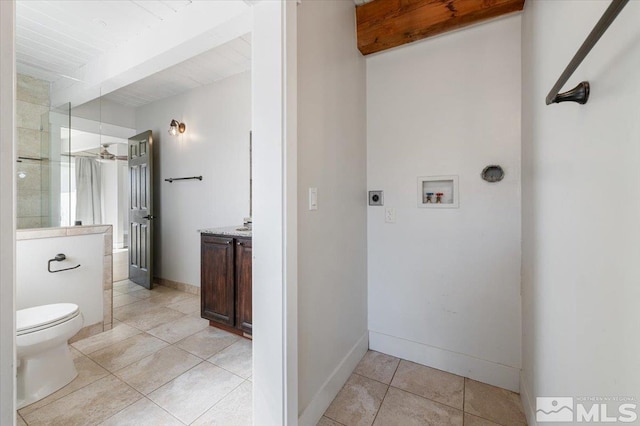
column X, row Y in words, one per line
column 58, row 40
column 55, row 38
column 224, row 61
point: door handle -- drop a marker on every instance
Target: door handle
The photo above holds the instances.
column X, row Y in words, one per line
column 148, row 217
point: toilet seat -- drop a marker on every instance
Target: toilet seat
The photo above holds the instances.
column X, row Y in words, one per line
column 46, row 316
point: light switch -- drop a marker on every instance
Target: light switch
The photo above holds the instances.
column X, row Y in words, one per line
column 390, row 215
column 313, row 198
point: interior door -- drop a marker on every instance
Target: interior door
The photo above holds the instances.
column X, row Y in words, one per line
column 140, row 158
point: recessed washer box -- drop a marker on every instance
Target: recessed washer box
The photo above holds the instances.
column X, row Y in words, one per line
column 438, row 192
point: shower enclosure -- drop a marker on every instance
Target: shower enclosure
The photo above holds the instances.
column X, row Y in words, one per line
column 75, row 172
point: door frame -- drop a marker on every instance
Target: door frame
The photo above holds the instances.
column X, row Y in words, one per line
column 275, row 263
column 7, row 213
column 275, row 225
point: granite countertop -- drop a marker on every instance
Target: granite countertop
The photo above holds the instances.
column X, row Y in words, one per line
column 227, row 230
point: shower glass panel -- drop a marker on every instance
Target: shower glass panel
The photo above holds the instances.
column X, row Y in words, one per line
column 39, row 182
column 97, row 167
column 60, row 186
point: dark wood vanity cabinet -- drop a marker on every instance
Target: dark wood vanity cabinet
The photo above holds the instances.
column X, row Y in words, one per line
column 226, row 281
column 243, row 284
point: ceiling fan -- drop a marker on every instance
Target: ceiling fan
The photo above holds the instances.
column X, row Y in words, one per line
column 106, row 155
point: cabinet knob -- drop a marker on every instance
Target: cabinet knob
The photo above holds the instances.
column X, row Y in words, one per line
column 239, row 243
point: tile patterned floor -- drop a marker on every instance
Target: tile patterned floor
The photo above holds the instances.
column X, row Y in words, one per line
column 161, row 364
column 387, row 391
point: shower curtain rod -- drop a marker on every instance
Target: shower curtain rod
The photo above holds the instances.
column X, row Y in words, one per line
column 580, row 93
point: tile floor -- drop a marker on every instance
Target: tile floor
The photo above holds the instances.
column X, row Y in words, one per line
column 387, row 391
column 161, row 364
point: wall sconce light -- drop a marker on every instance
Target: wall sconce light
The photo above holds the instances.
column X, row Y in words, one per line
column 176, row 127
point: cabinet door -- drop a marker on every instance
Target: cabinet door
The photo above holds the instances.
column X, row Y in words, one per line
column 243, row 285
column 217, row 279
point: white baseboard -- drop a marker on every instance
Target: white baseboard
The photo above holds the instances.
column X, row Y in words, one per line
column 330, row 388
column 527, row 401
column 478, row 369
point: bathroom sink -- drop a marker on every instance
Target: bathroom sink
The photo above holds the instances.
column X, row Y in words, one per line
column 244, row 228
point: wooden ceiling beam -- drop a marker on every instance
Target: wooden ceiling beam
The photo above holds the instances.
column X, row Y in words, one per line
column 384, row 24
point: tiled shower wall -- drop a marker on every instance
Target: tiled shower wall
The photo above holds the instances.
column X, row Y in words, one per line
column 33, row 146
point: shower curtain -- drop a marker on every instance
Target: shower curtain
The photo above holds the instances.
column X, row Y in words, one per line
column 88, row 197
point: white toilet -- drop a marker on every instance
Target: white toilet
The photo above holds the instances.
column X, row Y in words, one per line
column 45, row 363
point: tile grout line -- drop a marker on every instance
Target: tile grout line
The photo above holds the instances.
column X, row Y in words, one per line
column 186, row 371
column 201, row 360
column 228, row 371
column 146, row 396
column 127, row 304
column 215, row 353
column 88, row 355
column 189, row 335
column 169, row 381
column 464, row 386
column 340, row 424
column 472, row 414
column 415, row 394
column 145, row 313
column 113, row 374
column 133, row 362
column 175, row 378
column 385, row 393
column 381, row 402
column 79, row 389
column 464, row 396
column 325, row 411
column 64, row 396
column 154, row 403
column 142, row 332
column 219, row 401
column 129, row 405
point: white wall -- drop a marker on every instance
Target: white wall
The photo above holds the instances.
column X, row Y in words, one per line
column 332, row 280
column 7, row 212
column 444, row 284
column 216, row 146
column 83, row 286
column 581, row 206
column 106, row 111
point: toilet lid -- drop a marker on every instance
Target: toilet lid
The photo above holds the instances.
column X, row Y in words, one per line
column 45, row 316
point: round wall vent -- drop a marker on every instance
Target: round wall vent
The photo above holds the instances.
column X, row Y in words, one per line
column 492, row 173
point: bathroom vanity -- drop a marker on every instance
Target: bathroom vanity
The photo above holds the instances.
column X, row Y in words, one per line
column 225, row 278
